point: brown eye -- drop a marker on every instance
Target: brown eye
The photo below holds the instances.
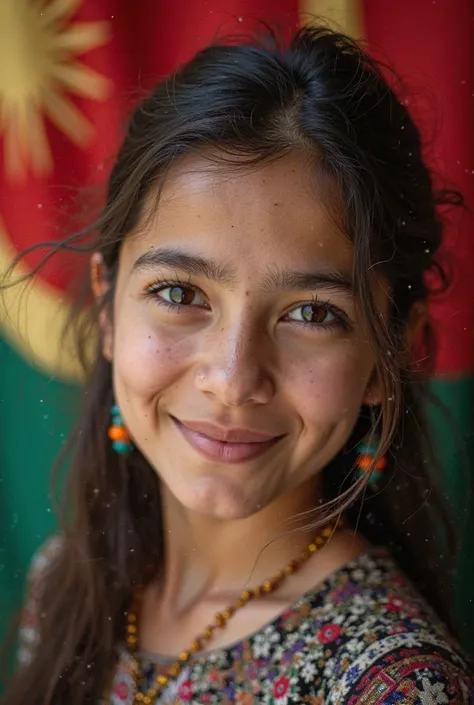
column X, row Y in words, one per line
column 312, row 313
column 181, row 295
column 320, row 315
column 178, row 295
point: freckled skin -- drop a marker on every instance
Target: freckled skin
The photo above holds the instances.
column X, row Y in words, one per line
column 239, row 362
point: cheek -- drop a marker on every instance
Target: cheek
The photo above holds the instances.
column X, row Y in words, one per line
column 148, row 359
column 330, row 388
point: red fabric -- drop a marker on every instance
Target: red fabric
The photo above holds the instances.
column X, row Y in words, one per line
column 148, row 39
column 430, row 43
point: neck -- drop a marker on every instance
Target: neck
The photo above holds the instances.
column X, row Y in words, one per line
column 215, row 558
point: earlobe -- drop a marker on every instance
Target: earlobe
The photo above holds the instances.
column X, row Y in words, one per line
column 100, row 286
column 99, row 282
column 373, row 391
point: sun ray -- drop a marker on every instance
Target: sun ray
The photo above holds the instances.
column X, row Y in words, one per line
column 15, row 165
column 82, row 37
column 65, row 115
column 39, row 67
column 41, row 157
column 81, row 80
column 59, row 10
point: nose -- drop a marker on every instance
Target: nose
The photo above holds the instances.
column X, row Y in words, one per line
column 235, row 368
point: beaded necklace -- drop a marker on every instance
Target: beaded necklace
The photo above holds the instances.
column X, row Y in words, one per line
column 220, row 619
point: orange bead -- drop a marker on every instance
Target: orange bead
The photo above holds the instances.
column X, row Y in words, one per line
column 228, row 612
column 246, row 595
column 312, row 547
column 184, row 656
column 175, row 670
column 118, row 433
column 364, row 462
column 196, row 645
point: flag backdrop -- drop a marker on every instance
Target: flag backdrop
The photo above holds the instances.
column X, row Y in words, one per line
column 69, row 73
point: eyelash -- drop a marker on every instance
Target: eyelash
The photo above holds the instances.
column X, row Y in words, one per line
column 341, row 319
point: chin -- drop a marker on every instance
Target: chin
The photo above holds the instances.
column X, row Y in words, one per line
column 219, row 499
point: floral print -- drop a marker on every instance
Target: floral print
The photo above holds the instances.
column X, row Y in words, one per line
column 363, row 637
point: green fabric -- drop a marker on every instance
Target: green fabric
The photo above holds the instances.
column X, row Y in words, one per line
column 454, row 439
column 36, row 413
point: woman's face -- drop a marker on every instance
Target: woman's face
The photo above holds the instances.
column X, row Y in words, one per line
column 240, row 362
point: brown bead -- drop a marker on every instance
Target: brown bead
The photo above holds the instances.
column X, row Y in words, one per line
column 240, row 603
column 152, row 693
column 291, row 567
column 246, row 595
column 207, row 634
column 312, row 547
column 257, row 591
column 196, row 645
column 132, row 617
column 228, row 612
column 327, row 532
column 184, row 656
column 305, row 555
column 162, row 679
column 268, row 586
column 175, row 670
column 279, row 575
column 319, row 541
column 139, row 697
column 131, row 639
column 147, row 699
column 219, row 619
column 131, row 629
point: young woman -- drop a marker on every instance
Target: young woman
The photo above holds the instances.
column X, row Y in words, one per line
column 254, row 514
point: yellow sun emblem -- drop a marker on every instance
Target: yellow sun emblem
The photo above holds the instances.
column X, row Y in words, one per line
column 39, row 46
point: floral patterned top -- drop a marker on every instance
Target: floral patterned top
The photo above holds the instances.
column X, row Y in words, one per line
column 364, row 636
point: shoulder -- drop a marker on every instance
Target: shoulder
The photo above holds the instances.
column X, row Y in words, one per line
column 375, row 640
column 28, row 635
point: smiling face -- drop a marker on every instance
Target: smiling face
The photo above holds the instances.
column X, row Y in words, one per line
column 240, row 362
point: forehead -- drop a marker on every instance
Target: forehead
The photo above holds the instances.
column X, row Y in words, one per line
column 278, row 214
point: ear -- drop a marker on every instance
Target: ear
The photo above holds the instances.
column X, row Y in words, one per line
column 100, row 286
column 373, row 391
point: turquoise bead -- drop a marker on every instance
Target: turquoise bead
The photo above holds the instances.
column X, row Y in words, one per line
column 366, row 448
column 122, row 446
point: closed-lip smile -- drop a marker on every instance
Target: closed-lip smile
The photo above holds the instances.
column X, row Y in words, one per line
column 225, row 444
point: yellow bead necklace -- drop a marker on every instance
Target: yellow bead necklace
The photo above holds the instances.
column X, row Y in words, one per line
column 220, row 620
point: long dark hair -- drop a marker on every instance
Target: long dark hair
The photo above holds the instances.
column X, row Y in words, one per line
column 320, row 94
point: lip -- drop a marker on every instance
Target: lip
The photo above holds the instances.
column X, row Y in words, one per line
column 229, row 445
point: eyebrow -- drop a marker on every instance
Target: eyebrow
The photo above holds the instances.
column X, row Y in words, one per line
column 174, row 258
column 224, row 274
column 324, row 278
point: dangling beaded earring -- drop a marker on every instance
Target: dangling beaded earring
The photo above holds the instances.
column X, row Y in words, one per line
column 367, row 450
column 118, row 434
